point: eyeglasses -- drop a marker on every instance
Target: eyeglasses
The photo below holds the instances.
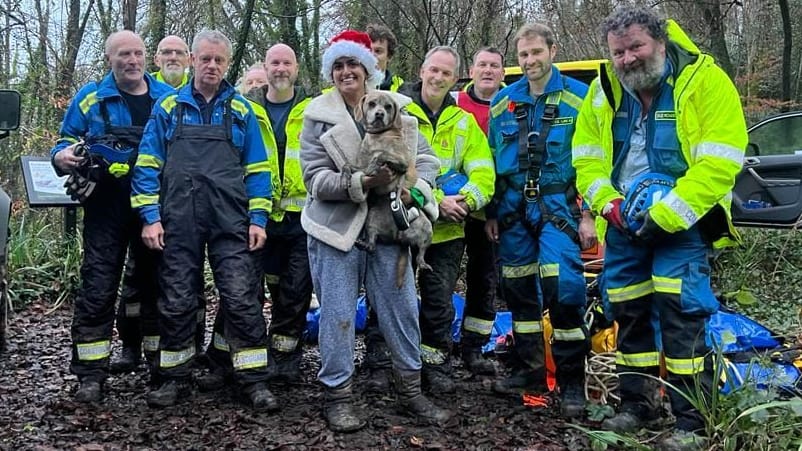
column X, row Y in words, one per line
column 177, row 52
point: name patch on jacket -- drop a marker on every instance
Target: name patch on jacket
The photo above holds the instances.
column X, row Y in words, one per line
column 665, row 116
column 563, row 121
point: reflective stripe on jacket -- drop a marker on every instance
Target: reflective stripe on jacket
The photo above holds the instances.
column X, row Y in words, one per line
column 710, row 127
column 245, row 135
column 84, row 119
column 289, row 193
column 460, row 144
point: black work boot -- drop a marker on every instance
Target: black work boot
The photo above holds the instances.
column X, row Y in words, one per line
column 572, row 400
column 378, row 380
column 214, row 380
column 339, row 411
column 129, row 359
column 260, row 398
column 521, row 380
column 169, row 393
column 89, row 391
column 437, row 378
column 638, row 410
column 476, row 363
column 529, row 373
column 414, row 403
column 285, row 367
column 379, row 364
column 632, row 419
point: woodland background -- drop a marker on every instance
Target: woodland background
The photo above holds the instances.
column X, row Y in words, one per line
column 49, row 48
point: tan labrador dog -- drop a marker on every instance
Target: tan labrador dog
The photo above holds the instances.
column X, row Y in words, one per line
column 384, row 144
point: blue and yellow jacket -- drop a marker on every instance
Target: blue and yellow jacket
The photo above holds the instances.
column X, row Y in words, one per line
column 556, row 168
column 83, row 119
column 246, row 138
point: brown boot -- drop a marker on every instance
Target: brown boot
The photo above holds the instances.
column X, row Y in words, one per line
column 413, row 402
column 338, row 408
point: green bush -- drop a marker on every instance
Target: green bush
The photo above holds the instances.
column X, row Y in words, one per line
column 763, row 278
column 43, row 266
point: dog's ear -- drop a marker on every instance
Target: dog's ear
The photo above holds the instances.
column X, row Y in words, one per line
column 397, row 124
column 359, row 113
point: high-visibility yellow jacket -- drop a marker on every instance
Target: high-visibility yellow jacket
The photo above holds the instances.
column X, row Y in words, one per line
column 158, row 76
column 289, row 192
column 711, row 130
column 461, row 145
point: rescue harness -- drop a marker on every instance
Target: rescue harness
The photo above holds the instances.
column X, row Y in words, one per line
column 531, row 153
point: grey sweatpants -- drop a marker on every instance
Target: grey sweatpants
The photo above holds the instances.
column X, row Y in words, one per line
column 337, row 277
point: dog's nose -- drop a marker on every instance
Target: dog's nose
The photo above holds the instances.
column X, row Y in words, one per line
column 380, row 114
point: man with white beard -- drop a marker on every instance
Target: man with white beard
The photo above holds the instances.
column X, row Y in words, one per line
column 664, row 119
column 172, row 57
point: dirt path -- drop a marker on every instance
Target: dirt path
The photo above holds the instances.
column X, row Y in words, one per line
column 36, row 410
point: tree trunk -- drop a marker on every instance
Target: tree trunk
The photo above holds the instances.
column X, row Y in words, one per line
column 786, row 63
column 287, row 13
column 156, row 24
column 76, row 25
column 718, row 44
column 310, row 53
column 129, row 14
column 242, row 42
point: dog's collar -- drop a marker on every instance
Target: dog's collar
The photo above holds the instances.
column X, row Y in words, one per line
column 379, row 130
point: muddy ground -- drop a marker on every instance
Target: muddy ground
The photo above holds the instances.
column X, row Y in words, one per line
column 37, row 412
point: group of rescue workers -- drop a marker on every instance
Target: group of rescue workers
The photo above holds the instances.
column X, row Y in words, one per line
column 521, row 177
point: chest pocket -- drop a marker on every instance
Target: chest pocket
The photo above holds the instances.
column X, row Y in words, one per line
column 667, row 154
column 506, row 155
column 558, row 144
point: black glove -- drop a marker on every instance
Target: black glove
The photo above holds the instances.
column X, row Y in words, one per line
column 79, row 187
column 649, row 231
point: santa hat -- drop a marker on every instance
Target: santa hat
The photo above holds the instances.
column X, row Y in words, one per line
column 357, row 45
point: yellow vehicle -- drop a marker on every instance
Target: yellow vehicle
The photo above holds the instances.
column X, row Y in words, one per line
column 584, row 70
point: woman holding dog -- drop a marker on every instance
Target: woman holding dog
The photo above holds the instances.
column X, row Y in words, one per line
column 334, row 216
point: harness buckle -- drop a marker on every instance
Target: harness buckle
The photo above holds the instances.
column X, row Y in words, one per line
column 531, row 191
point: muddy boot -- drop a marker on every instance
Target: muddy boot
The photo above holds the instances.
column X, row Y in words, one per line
column 414, row 403
column 641, row 405
column 89, row 391
column 631, row 419
column 339, row 411
column 214, row 380
column 129, row 359
column 378, row 380
column 572, row 400
column 379, row 364
column 260, row 398
column 519, row 381
column 476, row 363
column 437, row 378
column 169, row 393
column 285, row 367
